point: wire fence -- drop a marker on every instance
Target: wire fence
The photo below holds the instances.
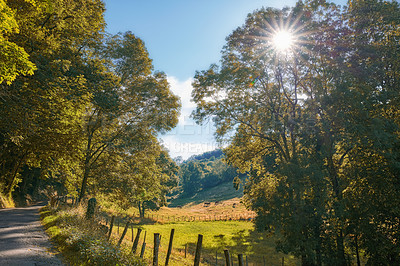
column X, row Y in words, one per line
column 125, row 229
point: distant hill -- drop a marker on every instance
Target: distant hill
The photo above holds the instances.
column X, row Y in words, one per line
column 221, row 192
column 204, row 171
column 207, row 155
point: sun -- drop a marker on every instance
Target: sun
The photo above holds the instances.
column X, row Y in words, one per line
column 282, row 41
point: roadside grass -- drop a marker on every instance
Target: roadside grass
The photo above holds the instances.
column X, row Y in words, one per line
column 83, row 242
column 239, row 237
column 6, row 202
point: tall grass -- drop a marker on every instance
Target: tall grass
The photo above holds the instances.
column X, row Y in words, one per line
column 6, row 202
column 84, row 242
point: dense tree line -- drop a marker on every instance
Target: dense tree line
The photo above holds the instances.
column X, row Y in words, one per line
column 80, row 109
column 204, row 171
column 316, row 126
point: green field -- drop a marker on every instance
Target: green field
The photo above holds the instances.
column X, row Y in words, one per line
column 239, row 237
column 236, row 236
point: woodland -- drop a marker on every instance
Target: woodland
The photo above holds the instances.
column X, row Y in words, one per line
column 311, row 131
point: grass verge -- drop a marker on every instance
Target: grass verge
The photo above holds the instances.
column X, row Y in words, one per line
column 83, row 242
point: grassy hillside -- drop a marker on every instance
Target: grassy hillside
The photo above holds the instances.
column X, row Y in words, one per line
column 222, row 192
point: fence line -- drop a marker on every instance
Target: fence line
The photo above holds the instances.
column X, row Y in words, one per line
column 204, row 218
column 114, row 221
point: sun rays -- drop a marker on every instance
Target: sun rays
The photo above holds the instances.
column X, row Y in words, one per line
column 281, row 34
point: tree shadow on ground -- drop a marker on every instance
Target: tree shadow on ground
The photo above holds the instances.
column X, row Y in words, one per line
column 258, row 247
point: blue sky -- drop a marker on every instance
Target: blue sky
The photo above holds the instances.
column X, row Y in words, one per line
column 183, row 36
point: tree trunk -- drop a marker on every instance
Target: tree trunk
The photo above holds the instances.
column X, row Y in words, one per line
column 340, row 249
column 357, row 251
column 338, row 210
column 13, row 178
column 86, row 170
column 84, row 182
column 141, row 209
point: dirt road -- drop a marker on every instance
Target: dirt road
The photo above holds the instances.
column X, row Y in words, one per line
column 22, row 239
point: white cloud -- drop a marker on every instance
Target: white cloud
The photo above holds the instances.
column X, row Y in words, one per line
column 188, row 138
column 184, row 90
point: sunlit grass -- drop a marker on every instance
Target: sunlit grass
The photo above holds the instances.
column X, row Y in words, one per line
column 239, row 237
column 81, row 241
column 6, row 202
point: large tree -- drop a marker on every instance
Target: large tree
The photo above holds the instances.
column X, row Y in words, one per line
column 302, row 120
column 139, row 101
column 41, row 114
column 89, row 102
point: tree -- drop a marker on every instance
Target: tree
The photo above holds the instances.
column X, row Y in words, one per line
column 92, row 99
column 141, row 178
column 140, row 101
column 297, row 120
column 191, row 175
column 13, row 59
column 41, row 114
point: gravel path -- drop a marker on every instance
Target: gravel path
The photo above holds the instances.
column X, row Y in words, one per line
column 23, row 241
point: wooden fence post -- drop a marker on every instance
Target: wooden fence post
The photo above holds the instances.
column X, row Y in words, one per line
column 264, row 260
column 123, row 234
column 91, row 207
column 198, row 250
column 111, row 227
column 216, row 257
column 283, row 261
column 171, row 238
column 227, row 258
column 185, row 250
column 143, row 245
column 156, row 246
column 136, row 242
column 132, row 232
column 240, row 259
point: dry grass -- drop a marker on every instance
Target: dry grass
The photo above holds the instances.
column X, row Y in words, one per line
column 231, row 209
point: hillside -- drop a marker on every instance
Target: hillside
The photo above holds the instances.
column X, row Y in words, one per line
column 221, row 192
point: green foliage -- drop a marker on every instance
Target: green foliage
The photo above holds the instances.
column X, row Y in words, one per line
column 89, row 112
column 143, row 179
column 204, row 171
column 41, row 115
column 317, row 131
column 126, row 115
column 13, row 58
